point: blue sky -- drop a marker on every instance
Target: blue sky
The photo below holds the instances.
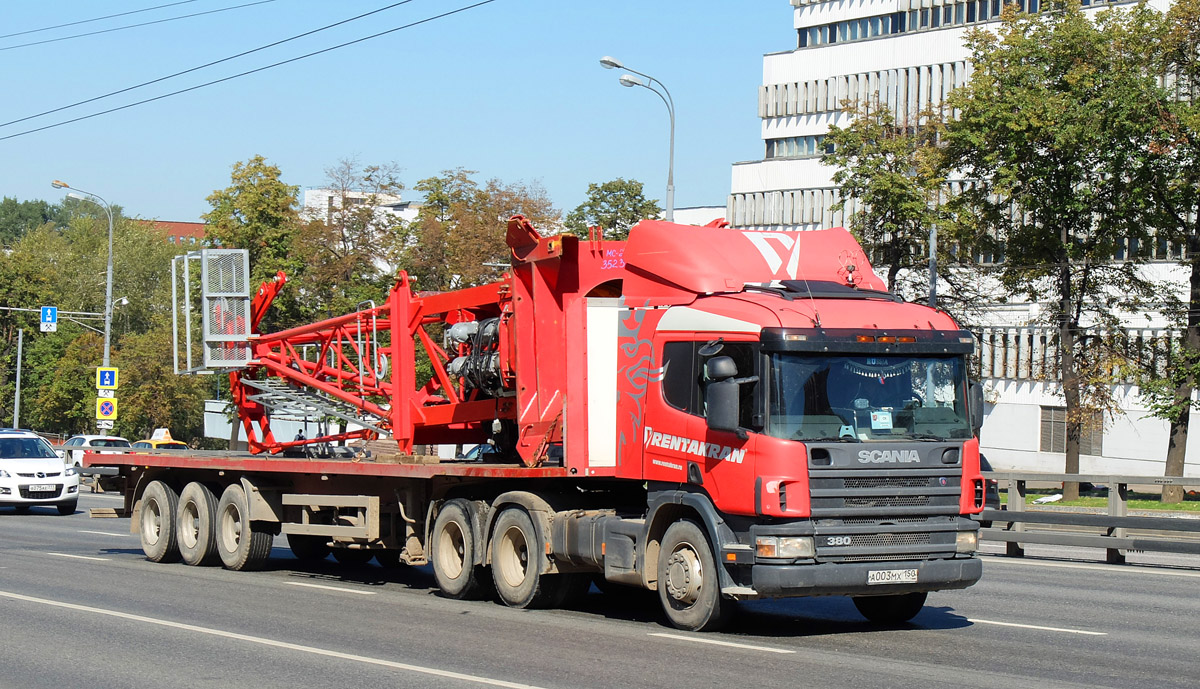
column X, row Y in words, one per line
column 512, row 89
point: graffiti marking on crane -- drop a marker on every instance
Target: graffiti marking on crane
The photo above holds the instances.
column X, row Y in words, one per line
column 691, row 446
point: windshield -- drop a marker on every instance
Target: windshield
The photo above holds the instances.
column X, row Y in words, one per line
column 860, row 398
column 106, row 442
column 25, row 448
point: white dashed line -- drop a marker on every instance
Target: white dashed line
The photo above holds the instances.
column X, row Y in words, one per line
column 80, row 557
column 416, row 669
column 1038, row 627
column 331, row 588
column 108, row 533
column 715, row 642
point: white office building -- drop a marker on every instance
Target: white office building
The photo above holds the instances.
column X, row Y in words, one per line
column 910, row 54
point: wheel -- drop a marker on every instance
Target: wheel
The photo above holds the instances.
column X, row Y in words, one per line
column 356, row 556
column 159, row 503
column 308, row 548
column 195, row 525
column 65, row 508
column 240, row 546
column 688, row 582
column 516, row 549
column 387, row 559
column 893, row 609
column 454, row 553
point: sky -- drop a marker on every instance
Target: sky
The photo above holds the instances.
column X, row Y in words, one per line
column 512, row 89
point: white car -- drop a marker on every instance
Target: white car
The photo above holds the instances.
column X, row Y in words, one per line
column 32, row 474
column 75, row 446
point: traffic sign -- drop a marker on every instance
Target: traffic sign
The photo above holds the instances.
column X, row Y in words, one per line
column 106, row 378
column 106, row 409
column 49, row 319
column 106, row 394
column 102, row 425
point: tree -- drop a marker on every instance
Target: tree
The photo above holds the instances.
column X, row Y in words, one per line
column 152, row 396
column 1174, row 166
column 1055, row 122
column 19, row 217
column 349, row 247
column 258, row 212
column 614, row 206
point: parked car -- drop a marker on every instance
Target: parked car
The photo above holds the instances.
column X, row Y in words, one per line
column 75, row 446
column 991, row 492
column 32, row 473
column 160, row 445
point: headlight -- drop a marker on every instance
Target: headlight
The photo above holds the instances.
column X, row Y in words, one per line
column 70, row 471
column 966, row 542
column 5, row 474
column 787, row 547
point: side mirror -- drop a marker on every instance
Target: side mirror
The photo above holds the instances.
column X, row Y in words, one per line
column 976, row 404
column 722, row 402
column 62, row 454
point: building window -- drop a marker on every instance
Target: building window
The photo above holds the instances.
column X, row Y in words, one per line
column 1054, row 432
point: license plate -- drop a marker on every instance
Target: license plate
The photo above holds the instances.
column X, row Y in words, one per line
column 892, row 576
column 42, row 487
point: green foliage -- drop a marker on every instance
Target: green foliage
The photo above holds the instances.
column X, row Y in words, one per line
column 614, row 206
column 20, row 217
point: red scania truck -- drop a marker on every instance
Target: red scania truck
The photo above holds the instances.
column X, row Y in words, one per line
column 714, row 414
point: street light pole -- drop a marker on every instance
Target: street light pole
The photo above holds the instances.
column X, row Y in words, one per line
column 108, row 305
column 629, row 81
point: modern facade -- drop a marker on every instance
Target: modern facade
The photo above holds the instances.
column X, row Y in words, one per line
column 910, row 55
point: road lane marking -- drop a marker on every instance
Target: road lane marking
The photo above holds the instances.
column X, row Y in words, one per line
column 1116, row 569
column 418, row 669
column 1034, row 626
column 731, row 644
column 108, row 533
column 331, row 588
column 80, row 557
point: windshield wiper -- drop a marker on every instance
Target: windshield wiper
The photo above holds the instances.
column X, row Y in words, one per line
column 924, row 436
column 842, row 439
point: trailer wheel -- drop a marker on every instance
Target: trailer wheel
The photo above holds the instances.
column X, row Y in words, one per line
column 516, row 548
column 454, row 548
column 352, row 556
column 688, row 582
column 893, row 609
column 308, row 548
column 195, row 525
column 240, row 545
column 157, row 517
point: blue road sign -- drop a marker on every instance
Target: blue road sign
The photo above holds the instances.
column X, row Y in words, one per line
column 106, row 378
column 49, row 319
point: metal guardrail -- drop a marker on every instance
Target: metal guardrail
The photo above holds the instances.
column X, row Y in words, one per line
column 1114, row 527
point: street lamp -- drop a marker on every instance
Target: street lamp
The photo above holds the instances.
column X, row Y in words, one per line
column 77, row 193
column 630, row 81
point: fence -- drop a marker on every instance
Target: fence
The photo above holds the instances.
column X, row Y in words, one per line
column 1111, row 530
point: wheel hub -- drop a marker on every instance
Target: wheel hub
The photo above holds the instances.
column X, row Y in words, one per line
column 684, row 576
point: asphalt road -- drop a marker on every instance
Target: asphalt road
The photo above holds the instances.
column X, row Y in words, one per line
column 81, row 607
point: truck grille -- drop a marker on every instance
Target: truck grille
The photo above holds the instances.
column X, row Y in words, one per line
column 41, row 494
column 880, row 515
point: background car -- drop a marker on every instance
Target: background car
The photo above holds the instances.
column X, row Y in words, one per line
column 160, row 445
column 75, row 446
column 32, row 473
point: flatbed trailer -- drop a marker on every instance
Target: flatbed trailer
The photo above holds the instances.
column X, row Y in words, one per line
column 711, row 414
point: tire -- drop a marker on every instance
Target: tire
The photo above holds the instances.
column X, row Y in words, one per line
column 65, row 508
column 454, row 549
column 239, row 544
column 516, row 552
column 308, row 548
column 157, row 522
column 352, row 557
column 689, row 586
column 196, row 525
column 894, row 609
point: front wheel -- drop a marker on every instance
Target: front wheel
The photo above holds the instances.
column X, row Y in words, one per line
column 239, row 544
column 893, row 609
column 65, row 508
column 689, row 586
